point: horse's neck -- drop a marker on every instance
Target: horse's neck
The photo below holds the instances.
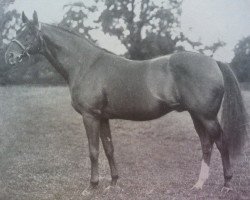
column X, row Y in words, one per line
column 67, row 52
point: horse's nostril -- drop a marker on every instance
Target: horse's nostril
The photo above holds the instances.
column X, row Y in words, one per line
column 12, row 62
column 19, row 58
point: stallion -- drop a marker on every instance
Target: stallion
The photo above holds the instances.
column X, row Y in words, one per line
column 105, row 86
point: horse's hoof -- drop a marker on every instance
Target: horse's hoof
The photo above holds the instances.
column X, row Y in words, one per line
column 197, row 186
column 113, row 189
column 89, row 190
column 114, row 181
column 226, row 189
column 107, row 189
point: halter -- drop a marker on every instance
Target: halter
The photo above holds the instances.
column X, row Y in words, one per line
column 26, row 49
column 19, row 43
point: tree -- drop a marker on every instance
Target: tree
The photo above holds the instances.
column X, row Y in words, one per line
column 5, row 18
column 9, row 23
column 204, row 49
column 76, row 16
column 145, row 28
column 241, row 60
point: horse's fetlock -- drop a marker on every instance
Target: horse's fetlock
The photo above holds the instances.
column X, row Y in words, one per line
column 115, row 177
column 94, row 183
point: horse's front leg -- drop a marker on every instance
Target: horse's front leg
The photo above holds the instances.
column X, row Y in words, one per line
column 106, row 138
column 92, row 126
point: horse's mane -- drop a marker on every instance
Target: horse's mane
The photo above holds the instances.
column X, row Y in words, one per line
column 73, row 32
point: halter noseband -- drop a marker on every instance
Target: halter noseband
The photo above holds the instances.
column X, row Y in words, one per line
column 26, row 49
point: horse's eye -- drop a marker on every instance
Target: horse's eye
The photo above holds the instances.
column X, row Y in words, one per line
column 27, row 38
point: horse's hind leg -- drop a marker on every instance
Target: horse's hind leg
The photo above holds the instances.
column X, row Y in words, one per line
column 202, row 128
column 109, row 149
column 222, row 145
column 212, row 132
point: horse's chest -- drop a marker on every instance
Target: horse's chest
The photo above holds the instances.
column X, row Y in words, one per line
column 76, row 101
column 87, row 97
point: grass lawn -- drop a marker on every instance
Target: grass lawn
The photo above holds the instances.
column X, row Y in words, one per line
column 44, row 153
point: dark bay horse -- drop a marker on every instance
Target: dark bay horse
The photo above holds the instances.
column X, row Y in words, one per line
column 105, row 86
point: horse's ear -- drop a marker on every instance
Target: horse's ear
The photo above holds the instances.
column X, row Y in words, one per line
column 35, row 18
column 24, row 18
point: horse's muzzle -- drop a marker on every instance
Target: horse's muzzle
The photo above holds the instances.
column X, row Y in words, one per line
column 13, row 58
column 15, row 53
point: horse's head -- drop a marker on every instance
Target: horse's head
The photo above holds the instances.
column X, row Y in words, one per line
column 28, row 41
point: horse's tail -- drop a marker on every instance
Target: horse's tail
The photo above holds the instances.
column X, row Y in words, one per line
column 234, row 115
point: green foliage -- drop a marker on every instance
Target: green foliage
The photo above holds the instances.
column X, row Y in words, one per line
column 208, row 50
column 241, row 60
column 76, row 16
column 9, row 24
column 144, row 27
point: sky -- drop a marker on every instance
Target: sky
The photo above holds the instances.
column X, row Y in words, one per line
column 204, row 20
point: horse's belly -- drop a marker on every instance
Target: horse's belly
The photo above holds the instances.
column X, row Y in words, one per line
column 131, row 98
column 136, row 110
